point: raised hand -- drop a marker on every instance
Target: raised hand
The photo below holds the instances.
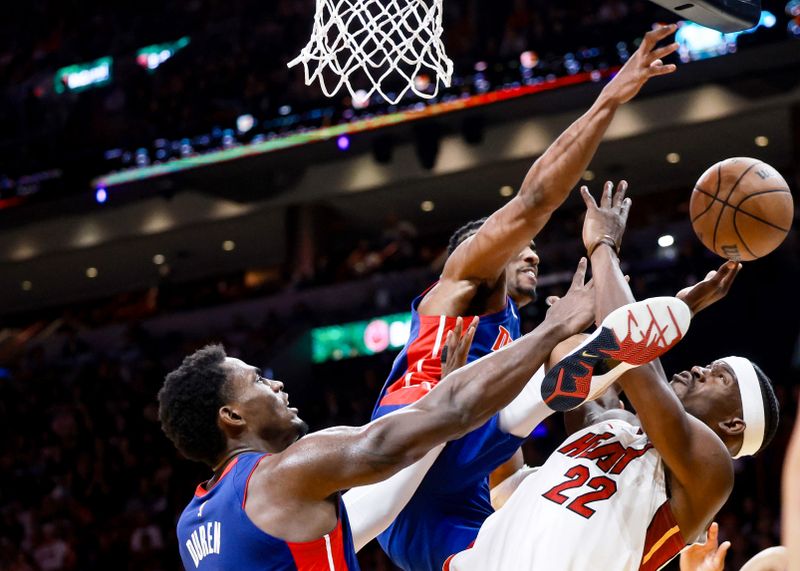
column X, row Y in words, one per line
column 605, row 223
column 576, row 309
column 456, row 347
column 712, row 289
column 642, row 65
column 707, row 556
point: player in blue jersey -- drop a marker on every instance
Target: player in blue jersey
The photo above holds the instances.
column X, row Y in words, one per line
column 491, row 271
column 273, row 502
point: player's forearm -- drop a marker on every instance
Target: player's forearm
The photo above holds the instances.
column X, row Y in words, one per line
column 559, row 169
column 660, row 411
column 371, row 509
column 467, row 398
column 611, row 288
column 482, row 388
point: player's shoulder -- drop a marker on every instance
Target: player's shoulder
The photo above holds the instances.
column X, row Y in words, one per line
column 448, row 296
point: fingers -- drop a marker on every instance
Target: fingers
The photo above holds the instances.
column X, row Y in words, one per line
column 605, row 200
column 462, row 350
column 588, row 199
column 730, row 275
column 713, row 532
column 456, row 347
column 470, row 335
column 580, row 274
column 551, row 299
column 660, row 53
column 626, row 208
column 449, row 347
column 719, row 557
column 458, row 328
column 657, row 34
column 451, row 341
column 725, row 274
column 658, row 68
column 619, row 195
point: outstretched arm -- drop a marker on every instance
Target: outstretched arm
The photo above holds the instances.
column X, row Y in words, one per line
column 339, row 458
column 483, row 257
column 687, row 446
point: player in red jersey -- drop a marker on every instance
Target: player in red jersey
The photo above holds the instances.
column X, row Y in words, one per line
column 273, row 501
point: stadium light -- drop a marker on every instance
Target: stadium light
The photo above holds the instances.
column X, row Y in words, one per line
column 101, row 195
column 666, row 240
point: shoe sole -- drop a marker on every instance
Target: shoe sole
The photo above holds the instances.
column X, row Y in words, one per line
column 634, row 334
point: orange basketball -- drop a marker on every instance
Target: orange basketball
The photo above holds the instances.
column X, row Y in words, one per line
column 741, row 209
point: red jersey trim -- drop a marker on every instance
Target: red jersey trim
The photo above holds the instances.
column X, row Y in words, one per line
column 200, row 491
column 664, row 539
column 250, row 475
column 446, row 564
column 325, row 553
column 424, row 357
column 406, row 395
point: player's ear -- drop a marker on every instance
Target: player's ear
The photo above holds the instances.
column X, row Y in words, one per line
column 733, row 426
column 229, row 417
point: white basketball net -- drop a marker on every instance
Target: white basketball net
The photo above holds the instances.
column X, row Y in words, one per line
column 383, row 46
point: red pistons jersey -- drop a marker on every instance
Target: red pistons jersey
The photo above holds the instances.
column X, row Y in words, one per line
column 215, row 533
column 418, row 367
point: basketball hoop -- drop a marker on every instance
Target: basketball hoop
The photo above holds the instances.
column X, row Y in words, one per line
column 383, row 46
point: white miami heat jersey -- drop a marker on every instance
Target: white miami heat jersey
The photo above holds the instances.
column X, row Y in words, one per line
column 598, row 503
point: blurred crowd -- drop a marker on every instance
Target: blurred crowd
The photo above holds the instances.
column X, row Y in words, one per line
column 235, row 64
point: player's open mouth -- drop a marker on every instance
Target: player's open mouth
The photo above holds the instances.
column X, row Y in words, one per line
column 682, row 378
column 530, row 273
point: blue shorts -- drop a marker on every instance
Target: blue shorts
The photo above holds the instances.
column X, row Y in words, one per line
column 444, row 515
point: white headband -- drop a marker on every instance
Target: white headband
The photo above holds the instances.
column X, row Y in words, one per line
column 752, row 404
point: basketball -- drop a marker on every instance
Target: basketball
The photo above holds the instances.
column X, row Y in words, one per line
column 741, row 209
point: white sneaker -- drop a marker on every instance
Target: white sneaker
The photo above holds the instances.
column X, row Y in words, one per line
column 634, row 334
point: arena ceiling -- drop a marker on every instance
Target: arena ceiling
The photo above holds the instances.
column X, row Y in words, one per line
column 187, row 219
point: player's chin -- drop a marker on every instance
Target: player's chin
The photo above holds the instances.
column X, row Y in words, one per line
column 300, row 426
column 678, row 388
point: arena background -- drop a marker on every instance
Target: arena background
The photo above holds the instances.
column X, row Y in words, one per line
column 166, row 181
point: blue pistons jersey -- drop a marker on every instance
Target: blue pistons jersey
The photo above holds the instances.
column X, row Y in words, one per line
column 215, row 533
column 446, row 512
